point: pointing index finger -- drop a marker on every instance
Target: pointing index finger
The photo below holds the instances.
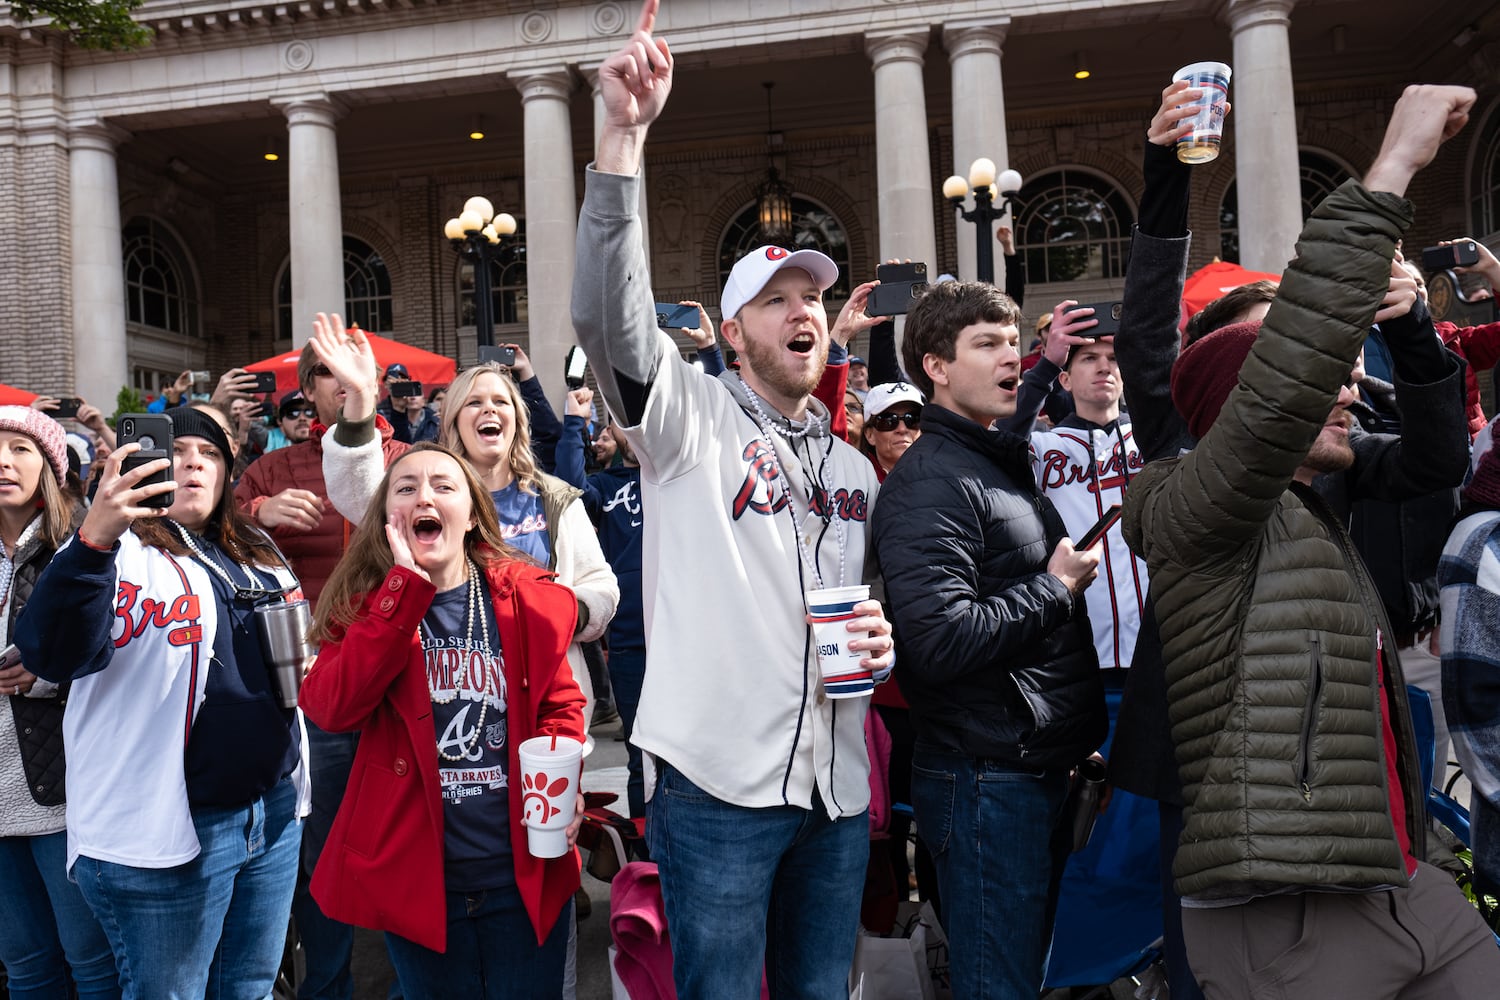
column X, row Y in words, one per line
column 648, row 16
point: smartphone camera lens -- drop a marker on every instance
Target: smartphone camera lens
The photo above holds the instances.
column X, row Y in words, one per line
column 128, row 427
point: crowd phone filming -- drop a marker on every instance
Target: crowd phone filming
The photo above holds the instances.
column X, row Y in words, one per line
column 900, row 286
column 153, row 432
column 1092, row 536
column 505, row 357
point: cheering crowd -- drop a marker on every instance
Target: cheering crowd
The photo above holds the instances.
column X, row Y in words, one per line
column 1283, row 542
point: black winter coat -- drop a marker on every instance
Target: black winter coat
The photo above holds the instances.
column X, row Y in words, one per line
column 993, row 653
column 39, row 732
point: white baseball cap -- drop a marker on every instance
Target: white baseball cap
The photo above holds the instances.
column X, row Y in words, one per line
column 883, row 397
column 752, row 271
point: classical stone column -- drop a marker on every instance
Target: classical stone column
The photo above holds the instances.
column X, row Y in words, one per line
column 551, row 221
column 317, row 218
column 593, row 77
column 1264, row 121
column 903, row 170
column 100, row 363
column 978, row 120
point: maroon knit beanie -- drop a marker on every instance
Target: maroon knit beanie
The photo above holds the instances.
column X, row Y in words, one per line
column 1207, row 371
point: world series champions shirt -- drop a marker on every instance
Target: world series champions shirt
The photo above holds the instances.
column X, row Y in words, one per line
column 469, row 720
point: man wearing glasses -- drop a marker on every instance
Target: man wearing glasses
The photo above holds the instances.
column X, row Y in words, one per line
column 285, row 493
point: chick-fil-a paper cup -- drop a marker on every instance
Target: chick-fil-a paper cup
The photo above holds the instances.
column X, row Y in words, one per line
column 832, row 609
column 551, row 767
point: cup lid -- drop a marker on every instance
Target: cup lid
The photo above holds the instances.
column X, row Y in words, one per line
column 1194, row 69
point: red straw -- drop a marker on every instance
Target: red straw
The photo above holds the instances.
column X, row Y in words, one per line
column 554, row 741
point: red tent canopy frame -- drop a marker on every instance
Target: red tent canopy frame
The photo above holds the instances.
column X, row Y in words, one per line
column 428, row 368
column 1213, row 280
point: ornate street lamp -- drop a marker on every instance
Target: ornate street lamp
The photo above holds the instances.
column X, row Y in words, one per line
column 480, row 236
column 993, row 198
column 772, row 198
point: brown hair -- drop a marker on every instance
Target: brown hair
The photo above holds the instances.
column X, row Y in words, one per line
column 936, row 319
column 58, row 502
column 368, row 558
column 236, row 533
column 522, row 461
column 1229, row 307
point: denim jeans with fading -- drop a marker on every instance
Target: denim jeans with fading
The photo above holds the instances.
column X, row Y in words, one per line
column 778, row 888
column 46, row 929
column 214, row 927
column 1000, row 846
column 327, row 944
column 492, row 953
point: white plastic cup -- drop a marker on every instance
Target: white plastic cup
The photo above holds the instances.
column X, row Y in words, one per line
column 1202, row 144
column 832, row 608
column 551, row 767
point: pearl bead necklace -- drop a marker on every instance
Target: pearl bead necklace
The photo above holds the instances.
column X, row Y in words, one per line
column 474, row 611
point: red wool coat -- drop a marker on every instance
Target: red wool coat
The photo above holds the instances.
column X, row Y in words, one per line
column 382, row 867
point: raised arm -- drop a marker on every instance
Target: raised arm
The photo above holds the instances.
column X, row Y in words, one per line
column 614, row 312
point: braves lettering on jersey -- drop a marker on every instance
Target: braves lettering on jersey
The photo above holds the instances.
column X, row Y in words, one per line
column 1084, row 470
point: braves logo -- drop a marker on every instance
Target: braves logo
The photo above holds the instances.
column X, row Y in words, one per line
column 183, row 610
column 761, row 492
column 1056, row 469
column 775, row 253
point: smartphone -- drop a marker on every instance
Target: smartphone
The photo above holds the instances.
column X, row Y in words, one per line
column 67, row 406
column 1464, row 253
column 894, row 299
column 889, row 273
column 264, row 382
column 153, row 432
column 1108, row 316
column 577, row 365
column 670, row 316
column 505, row 357
column 1092, row 536
column 9, row 656
column 406, row 389
column 202, row 377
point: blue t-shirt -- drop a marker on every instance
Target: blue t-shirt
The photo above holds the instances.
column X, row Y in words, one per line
column 523, row 522
column 476, row 796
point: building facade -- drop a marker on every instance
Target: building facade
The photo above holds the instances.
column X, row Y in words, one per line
column 193, row 203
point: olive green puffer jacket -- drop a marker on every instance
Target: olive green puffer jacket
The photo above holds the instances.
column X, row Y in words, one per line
column 1268, row 617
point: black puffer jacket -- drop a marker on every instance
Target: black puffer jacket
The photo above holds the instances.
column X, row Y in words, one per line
column 38, row 720
column 994, row 654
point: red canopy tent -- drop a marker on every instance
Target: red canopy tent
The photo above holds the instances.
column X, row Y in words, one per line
column 11, row 396
column 428, row 368
column 1213, row 280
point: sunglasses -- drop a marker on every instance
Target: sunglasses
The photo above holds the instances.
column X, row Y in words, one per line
column 890, row 421
column 308, row 412
column 321, row 371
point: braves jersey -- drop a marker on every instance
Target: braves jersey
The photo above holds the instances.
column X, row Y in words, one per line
column 731, row 695
column 1084, row 469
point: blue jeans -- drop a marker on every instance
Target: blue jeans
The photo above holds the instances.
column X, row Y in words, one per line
column 776, row 888
column 492, row 953
column 43, row 919
column 327, row 944
column 214, row 927
column 1000, row 847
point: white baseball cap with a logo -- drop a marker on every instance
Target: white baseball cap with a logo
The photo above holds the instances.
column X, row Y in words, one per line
column 753, row 270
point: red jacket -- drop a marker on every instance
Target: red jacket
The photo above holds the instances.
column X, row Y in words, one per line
column 1480, row 347
column 382, row 866
column 313, row 554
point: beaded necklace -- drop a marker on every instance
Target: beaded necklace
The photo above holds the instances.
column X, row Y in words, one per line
column 474, row 611
column 252, row 591
column 764, row 423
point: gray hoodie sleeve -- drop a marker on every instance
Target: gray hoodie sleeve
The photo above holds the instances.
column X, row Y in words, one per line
column 614, row 313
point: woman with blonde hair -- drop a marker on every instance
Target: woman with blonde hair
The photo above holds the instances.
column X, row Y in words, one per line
column 484, row 421
column 446, row 648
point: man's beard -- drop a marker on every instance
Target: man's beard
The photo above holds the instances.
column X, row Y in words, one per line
column 1329, row 456
column 765, row 363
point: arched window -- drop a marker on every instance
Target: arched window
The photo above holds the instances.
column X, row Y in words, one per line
column 1319, row 176
column 814, row 227
column 1073, row 225
column 160, row 292
column 1484, row 177
column 507, row 285
column 367, row 291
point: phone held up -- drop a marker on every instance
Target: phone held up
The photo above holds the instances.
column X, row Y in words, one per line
column 1463, row 253
column 406, row 390
column 670, row 316
column 67, row 406
column 153, row 432
column 1107, row 317
column 505, row 357
column 1091, row 537
column 264, row 382
column 900, row 286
